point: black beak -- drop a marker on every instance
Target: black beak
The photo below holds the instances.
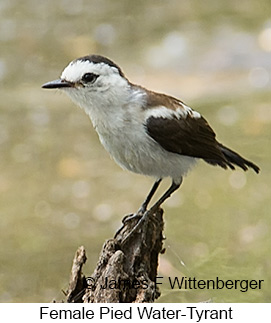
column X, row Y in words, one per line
column 57, row 84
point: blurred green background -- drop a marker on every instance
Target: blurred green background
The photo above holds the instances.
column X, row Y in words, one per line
column 60, row 189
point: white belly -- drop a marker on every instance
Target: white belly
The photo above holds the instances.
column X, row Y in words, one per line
column 121, row 131
column 134, row 150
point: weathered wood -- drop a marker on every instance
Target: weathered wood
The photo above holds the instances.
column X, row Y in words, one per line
column 77, row 280
column 127, row 266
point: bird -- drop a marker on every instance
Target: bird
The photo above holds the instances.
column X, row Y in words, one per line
column 145, row 132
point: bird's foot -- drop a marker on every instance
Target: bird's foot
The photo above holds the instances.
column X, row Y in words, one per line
column 126, row 219
column 143, row 208
column 143, row 217
column 130, row 217
column 141, row 225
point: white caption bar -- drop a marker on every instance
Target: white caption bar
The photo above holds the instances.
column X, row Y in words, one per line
column 203, row 312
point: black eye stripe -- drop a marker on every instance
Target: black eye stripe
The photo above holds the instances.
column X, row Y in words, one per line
column 89, row 77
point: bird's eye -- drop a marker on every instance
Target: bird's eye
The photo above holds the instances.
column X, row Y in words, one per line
column 89, row 77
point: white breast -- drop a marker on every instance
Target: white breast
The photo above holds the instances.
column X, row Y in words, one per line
column 121, row 130
column 127, row 141
column 134, row 150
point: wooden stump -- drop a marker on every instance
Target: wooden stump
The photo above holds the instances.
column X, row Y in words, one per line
column 127, row 267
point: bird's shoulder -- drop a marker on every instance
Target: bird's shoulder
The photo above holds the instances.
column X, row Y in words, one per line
column 178, row 128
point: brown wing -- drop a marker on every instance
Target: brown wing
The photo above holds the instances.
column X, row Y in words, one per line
column 187, row 136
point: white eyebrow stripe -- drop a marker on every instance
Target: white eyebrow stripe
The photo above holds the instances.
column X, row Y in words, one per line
column 76, row 69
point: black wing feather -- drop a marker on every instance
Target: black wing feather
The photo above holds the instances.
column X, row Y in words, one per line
column 195, row 138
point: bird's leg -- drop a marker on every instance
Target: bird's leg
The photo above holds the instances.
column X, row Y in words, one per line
column 143, row 208
column 144, row 205
column 154, row 208
column 167, row 194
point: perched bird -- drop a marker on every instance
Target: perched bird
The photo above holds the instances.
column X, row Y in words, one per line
column 144, row 131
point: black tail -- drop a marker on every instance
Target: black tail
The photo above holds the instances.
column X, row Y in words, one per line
column 230, row 158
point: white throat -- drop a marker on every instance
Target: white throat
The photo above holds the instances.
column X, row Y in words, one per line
column 110, row 108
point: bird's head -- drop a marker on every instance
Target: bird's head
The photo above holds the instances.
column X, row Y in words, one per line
column 91, row 80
